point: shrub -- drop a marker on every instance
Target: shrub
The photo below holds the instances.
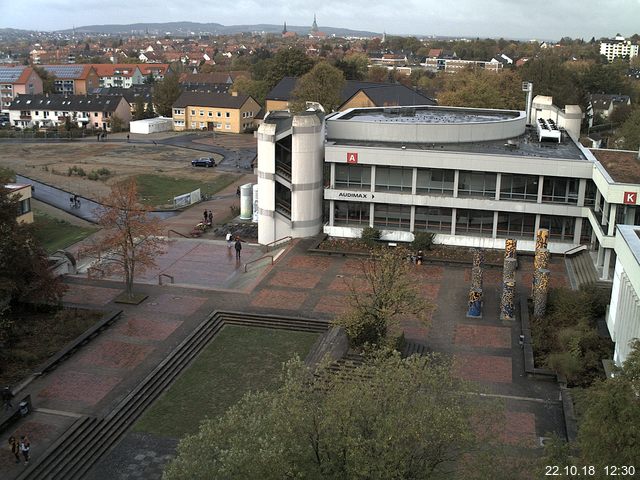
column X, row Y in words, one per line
column 422, row 241
column 93, row 176
column 77, row 171
column 370, row 236
column 103, row 171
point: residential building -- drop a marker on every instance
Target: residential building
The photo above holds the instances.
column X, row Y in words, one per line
column 473, row 177
column 623, row 316
column 221, row 112
column 24, row 193
column 453, row 65
column 603, row 105
column 126, row 75
column 618, row 47
column 354, row 94
column 130, row 94
column 85, row 111
column 16, row 81
column 73, row 79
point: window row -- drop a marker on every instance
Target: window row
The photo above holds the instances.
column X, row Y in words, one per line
column 209, row 113
column 470, row 184
column 439, row 220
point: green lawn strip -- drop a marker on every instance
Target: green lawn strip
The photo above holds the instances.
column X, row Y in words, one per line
column 238, row 360
column 159, row 190
column 55, row 234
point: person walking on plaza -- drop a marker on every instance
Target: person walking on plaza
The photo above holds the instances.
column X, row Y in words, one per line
column 229, row 239
column 25, row 448
column 7, row 395
column 205, row 215
column 238, row 246
column 210, row 218
column 238, row 192
column 15, row 448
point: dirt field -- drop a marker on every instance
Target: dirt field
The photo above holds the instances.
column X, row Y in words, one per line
column 50, row 163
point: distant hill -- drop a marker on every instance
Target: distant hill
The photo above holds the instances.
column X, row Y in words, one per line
column 195, row 28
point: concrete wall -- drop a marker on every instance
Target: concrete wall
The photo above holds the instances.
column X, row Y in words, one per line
column 266, row 183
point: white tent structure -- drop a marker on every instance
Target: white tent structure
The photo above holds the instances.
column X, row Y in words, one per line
column 151, row 125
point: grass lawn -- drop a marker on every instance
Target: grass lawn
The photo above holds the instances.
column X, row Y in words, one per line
column 158, row 190
column 238, row 360
column 55, row 234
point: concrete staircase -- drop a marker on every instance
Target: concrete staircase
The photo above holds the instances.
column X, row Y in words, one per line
column 89, row 438
column 582, row 272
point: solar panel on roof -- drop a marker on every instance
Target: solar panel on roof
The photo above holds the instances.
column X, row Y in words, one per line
column 10, row 74
column 65, row 71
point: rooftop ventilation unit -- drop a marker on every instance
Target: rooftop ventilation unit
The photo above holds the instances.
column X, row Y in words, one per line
column 547, row 130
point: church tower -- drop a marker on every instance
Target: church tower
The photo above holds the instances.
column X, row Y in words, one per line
column 314, row 25
column 284, row 29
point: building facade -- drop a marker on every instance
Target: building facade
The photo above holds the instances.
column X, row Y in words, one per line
column 214, row 112
column 23, row 192
column 16, row 81
column 618, row 47
column 73, row 79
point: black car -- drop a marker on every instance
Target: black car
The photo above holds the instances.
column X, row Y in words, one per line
column 203, row 162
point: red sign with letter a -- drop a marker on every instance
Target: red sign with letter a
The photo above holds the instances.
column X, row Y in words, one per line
column 630, row 198
column 352, row 157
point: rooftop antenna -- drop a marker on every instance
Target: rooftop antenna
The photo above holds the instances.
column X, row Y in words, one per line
column 528, row 87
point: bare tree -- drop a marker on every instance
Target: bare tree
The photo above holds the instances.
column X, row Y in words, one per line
column 131, row 236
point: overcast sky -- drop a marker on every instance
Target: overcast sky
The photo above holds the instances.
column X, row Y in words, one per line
column 484, row 18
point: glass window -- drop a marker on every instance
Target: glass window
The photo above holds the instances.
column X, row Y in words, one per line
column 590, row 193
column 210, row 113
column 353, row 176
column 392, row 217
column 433, row 219
column 24, row 206
column 435, row 181
column 394, row 179
column 351, row 213
column 201, row 113
column 226, row 114
column 560, row 228
column 476, row 222
column 193, row 112
column 519, row 187
column 477, row 184
column 560, row 190
column 516, row 224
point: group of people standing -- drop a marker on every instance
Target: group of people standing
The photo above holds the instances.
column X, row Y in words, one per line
column 208, row 217
column 236, row 242
column 22, row 447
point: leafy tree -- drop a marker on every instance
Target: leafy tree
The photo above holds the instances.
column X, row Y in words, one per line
column 389, row 291
column 629, row 132
column 483, row 89
column 422, row 241
column 130, row 234
column 287, row 62
column 354, row 67
column 149, row 111
column 323, row 84
column 551, row 77
column 150, row 79
column 370, row 236
column 24, row 268
column 258, row 89
column 390, row 418
column 165, row 93
column 139, row 113
column 117, row 124
column 378, row 74
column 48, row 79
column 620, row 114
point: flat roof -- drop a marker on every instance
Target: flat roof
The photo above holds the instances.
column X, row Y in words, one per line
column 622, row 165
column 526, row 145
column 427, row 115
column 631, row 235
column 16, row 186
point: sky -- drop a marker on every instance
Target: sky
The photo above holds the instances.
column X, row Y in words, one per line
column 517, row 19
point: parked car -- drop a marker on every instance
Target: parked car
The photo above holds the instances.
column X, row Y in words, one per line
column 203, row 162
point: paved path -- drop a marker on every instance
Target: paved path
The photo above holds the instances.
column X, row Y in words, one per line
column 93, row 380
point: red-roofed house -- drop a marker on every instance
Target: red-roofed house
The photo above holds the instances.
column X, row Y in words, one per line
column 15, row 81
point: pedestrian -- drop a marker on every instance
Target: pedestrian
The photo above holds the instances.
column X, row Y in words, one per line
column 72, row 201
column 15, row 448
column 205, row 215
column 238, row 192
column 7, row 395
column 238, row 246
column 25, row 448
column 229, row 241
column 98, row 137
column 127, row 138
column 210, row 217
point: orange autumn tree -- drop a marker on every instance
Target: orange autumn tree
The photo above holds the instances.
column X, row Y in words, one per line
column 130, row 239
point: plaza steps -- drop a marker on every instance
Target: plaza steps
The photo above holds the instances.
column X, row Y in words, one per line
column 413, row 348
column 88, row 439
column 583, row 272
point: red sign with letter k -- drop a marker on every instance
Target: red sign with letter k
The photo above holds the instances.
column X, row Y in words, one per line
column 630, row 198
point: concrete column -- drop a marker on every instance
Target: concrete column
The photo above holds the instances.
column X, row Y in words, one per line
column 498, row 183
column 453, row 217
column 412, row 222
column 332, row 175
column 596, row 206
column 373, row 178
column 613, row 208
column 456, row 179
column 600, row 257
column 371, row 213
column 537, row 223
column 605, row 213
column 577, row 231
column 494, row 231
column 606, row 264
column 582, row 189
column 414, row 182
column 332, row 213
column 540, row 185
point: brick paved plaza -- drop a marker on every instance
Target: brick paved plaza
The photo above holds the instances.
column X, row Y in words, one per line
column 300, row 284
